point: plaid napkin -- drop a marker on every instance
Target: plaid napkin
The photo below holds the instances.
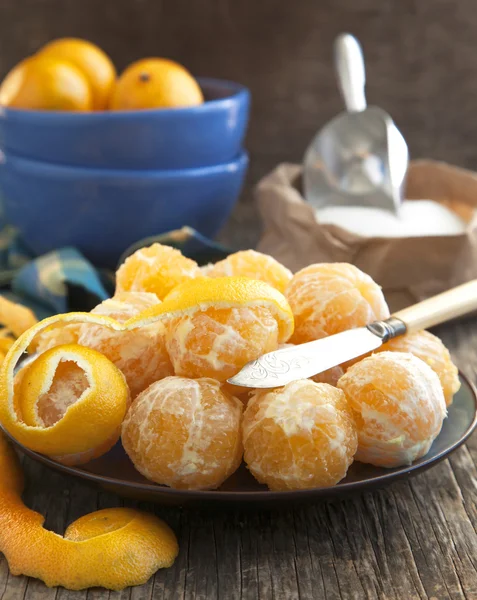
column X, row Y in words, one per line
column 63, row 280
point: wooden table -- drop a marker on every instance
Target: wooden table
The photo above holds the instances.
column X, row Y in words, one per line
column 415, row 539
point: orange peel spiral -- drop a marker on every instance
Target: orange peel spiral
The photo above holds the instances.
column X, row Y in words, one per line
column 91, row 423
column 112, row 548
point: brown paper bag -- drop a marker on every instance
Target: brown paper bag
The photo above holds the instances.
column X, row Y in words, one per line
column 408, row 269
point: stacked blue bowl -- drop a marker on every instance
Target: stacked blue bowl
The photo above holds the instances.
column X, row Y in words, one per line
column 102, row 181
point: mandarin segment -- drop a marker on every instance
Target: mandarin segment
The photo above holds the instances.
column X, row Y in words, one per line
column 139, row 354
column 184, row 433
column 156, row 269
column 329, row 298
column 254, row 265
column 299, row 436
column 112, row 548
column 432, row 351
column 398, row 405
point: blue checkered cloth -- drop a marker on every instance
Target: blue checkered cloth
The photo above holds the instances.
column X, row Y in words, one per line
column 64, row 280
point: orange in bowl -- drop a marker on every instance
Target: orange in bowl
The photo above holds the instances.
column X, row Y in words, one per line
column 91, row 61
column 46, row 83
column 155, row 83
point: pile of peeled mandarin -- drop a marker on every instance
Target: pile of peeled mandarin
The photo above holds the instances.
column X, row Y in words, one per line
column 150, row 367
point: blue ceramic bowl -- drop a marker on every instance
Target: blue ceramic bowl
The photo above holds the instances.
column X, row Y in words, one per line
column 102, row 212
column 177, row 138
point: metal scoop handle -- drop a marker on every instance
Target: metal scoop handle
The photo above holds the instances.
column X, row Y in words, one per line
column 349, row 64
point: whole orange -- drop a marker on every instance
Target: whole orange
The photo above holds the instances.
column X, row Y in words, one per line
column 46, row 83
column 95, row 65
column 155, row 83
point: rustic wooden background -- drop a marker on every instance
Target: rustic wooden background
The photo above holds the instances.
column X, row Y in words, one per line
column 421, row 60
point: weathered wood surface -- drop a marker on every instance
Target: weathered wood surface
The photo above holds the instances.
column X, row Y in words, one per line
column 413, row 540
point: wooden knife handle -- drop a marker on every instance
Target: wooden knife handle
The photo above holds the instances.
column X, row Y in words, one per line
column 441, row 308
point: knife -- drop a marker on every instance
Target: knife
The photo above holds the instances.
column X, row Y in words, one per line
column 280, row 367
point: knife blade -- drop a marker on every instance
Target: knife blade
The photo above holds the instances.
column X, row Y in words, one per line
column 283, row 366
column 278, row 368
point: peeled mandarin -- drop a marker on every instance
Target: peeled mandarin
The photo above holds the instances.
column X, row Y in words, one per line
column 254, row 265
column 113, row 548
column 217, row 343
column 432, row 351
column 328, row 298
column 299, row 436
column 398, row 406
column 139, row 354
column 215, row 326
column 91, row 61
column 184, row 433
column 156, row 269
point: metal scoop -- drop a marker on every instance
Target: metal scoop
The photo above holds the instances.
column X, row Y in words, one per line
column 360, row 157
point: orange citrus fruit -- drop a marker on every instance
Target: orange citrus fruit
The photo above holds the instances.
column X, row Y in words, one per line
column 431, row 350
column 139, row 354
column 299, row 436
column 157, row 269
column 64, row 387
column 330, row 298
column 112, row 548
column 215, row 326
column 46, row 83
column 184, row 433
column 91, row 61
column 254, row 265
column 155, row 83
column 398, row 406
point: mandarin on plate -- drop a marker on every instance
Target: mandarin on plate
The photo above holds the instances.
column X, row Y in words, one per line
column 398, row 406
column 157, row 269
column 184, row 433
column 300, row 436
column 216, row 326
column 140, row 354
column 431, row 350
column 329, row 298
column 255, row 265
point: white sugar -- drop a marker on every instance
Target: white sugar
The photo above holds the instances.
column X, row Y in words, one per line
column 417, row 218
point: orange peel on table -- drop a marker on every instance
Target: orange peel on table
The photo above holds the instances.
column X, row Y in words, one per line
column 112, row 548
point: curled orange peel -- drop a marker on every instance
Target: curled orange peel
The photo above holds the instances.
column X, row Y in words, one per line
column 92, row 422
column 113, row 548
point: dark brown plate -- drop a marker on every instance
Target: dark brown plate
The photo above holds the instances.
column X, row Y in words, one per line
column 115, row 472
